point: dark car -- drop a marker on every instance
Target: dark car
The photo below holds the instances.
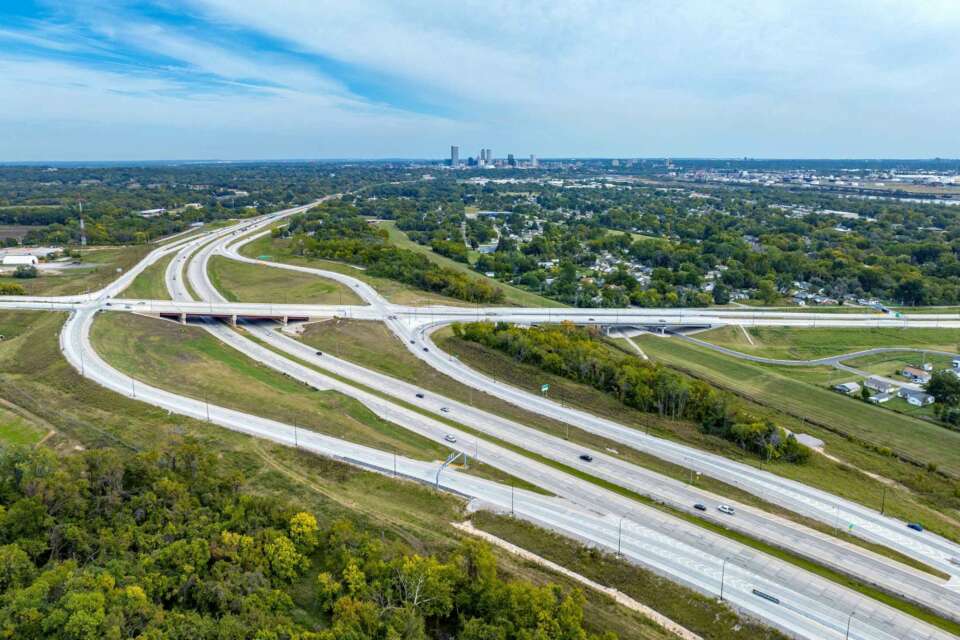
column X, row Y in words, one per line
column 425, row 349
column 916, row 526
column 319, row 353
column 419, row 395
column 586, row 458
column 413, row 342
column 700, row 507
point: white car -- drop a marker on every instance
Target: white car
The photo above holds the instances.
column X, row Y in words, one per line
column 445, row 409
column 450, row 437
column 727, row 509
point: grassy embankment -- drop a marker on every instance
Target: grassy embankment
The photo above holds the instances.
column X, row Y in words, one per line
column 278, row 250
column 803, row 344
column 243, row 282
column 150, row 284
column 787, row 343
column 99, row 268
column 865, row 437
column 34, row 375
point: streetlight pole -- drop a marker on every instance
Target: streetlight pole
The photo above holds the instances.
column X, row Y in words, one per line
column 883, row 501
column 512, row 512
column 849, row 620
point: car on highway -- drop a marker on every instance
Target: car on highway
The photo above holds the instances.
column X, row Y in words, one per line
column 727, row 509
column 445, row 409
column 425, row 349
column 413, row 342
column 450, row 437
column 590, row 319
column 319, row 353
column 586, row 458
column 419, row 395
column 700, row 506
column 955, row 560
column 916, row 526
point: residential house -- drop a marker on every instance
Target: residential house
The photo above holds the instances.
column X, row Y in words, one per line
column 915, row 374
column 879, row 385
column 916, row 398
column 880, row 398
column 848, row 388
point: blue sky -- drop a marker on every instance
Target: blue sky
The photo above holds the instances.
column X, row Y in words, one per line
column 245, row 79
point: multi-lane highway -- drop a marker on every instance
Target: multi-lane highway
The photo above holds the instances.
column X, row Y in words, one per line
column 802, row 604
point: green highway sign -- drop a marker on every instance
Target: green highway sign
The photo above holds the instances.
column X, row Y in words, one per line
column 544, row 388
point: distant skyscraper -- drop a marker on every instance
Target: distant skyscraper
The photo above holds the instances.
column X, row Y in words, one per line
column 510, row 160
column 533, row 161
column 488, row 156
column 454, row 156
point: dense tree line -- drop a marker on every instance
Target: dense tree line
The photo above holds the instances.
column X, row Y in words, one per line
column 335, row 230
column 577, row 354
column 165, row 544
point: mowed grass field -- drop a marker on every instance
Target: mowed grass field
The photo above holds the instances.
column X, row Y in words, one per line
column 17, row 430
column 513, row 296
column 150, row 284
column 776, row 387
column 242, row 282
column 98, row 268
column 277, row 250
column 188, row 360
column 788, row 343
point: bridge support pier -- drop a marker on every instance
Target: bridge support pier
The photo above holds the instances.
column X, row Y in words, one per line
column 285, row 320
column 233, row 321
column 183, row 318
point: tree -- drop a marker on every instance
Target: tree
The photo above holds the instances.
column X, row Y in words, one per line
column 944, row 386
column 767, row 291
column 721, row 293
column 25, row 271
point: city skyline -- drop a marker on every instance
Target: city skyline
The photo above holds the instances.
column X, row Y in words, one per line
column 208, row 79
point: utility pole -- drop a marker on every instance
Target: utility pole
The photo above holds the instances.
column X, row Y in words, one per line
column 512, row 512
column 394, row 462
column 883, row 500
column 296, row 440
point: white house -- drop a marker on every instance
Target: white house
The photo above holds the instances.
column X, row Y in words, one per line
column 916, row 398
column 16, row 261
column 848, row 388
